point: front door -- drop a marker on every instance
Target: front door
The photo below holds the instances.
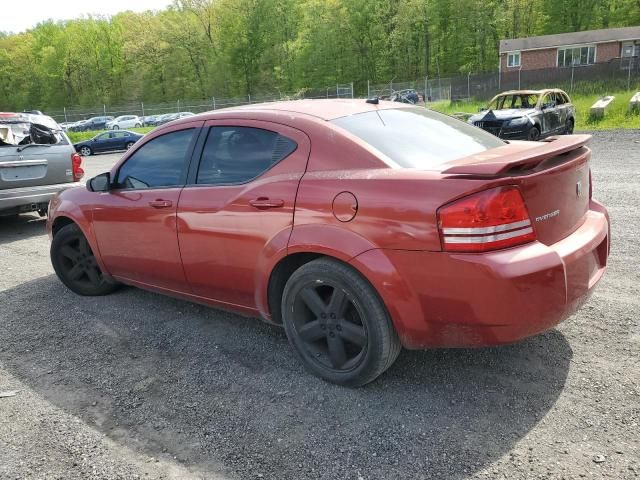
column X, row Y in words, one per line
column 239, row 206
column 135, row 222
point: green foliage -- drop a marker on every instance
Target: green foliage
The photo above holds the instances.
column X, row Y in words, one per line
column 205, row 48
column 617, row 116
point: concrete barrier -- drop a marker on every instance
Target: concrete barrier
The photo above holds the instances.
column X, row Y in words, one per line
column 599, row 108
column 634, row 103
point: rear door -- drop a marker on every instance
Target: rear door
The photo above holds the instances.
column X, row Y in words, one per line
column 240, row 199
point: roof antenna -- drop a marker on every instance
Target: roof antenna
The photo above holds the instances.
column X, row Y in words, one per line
column 373, row 100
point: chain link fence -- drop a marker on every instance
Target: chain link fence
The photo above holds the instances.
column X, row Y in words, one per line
column 601, row 78
column 141, row 109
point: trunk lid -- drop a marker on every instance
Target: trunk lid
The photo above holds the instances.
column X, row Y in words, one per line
column 553, row 177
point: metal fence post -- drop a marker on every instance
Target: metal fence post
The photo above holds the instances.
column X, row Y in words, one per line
column 469, row 85
column 572, row 69
column 391, row 87
column 368, row 89
column 65, row 114
column 142, row 107
column 629, row 75
column 351, row 89
column 214, row 103
column 249, row 97
column 178, row 103
column 426, row 87
column 519, row 73
column 104, row 109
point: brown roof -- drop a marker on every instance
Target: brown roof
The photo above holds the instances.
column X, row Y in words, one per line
column 573, row 38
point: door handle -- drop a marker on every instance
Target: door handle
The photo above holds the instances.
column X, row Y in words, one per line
column 159, row 203
column 263, row 203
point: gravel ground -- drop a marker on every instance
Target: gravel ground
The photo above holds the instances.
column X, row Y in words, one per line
column 136, row 385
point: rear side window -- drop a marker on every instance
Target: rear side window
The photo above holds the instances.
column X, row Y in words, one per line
column 234, row 155
column 160, row 162
column 417, row 137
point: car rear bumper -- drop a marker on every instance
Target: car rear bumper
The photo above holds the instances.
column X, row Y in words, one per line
column 28, row 199
column 438, row 299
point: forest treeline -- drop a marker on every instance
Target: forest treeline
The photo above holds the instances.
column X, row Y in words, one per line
column 204, row 48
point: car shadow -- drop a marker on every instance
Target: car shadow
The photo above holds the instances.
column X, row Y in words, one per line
column 170, row 378
column 21, row 227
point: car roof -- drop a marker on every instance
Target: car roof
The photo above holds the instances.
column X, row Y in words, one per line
column 324, row 109
column 530, row 92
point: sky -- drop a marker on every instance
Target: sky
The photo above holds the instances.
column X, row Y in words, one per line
column 21, row 15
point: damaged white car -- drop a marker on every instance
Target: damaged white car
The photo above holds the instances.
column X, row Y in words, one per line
column 37, row 160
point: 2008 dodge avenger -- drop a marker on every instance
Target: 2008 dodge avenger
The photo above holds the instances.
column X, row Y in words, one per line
column 360, row 226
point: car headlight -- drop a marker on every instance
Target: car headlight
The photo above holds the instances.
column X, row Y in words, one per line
column 517, row 122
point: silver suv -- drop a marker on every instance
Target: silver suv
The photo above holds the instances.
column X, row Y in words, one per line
column 37, row 160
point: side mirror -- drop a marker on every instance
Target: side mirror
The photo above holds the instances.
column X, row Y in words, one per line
column 101, row 183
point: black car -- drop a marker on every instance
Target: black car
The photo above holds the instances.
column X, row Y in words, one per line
column 91, row 124
column 527, row 115
column 108, row 142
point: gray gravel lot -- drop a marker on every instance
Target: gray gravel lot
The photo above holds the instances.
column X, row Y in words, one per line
column 136, row 385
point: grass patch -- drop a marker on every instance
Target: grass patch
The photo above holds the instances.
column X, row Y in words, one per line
column 617, row 117
column 77, row 137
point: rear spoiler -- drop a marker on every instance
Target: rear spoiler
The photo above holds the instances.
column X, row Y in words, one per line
column 514, row 156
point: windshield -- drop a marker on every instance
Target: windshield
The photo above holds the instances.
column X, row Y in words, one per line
column 27, row 129
column 516, row 100
column 417, row 137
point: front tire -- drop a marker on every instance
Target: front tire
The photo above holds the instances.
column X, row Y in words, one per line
column 569, row 127
column 115, row 127
column 129, row 145
column 337, row 324
column 534, row 134
column 76, row 266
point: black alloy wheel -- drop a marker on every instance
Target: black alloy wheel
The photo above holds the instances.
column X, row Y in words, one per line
column 337, row 323
column 76, row 266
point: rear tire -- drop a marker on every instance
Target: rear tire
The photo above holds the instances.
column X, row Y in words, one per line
column 337, row 324
column 86, row 151
column 534, row 134
column 76, row 266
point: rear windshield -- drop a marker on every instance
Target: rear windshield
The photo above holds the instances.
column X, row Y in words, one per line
column 417, row 137
column 25, row 129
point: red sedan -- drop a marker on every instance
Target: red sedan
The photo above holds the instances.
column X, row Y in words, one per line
column 359, row 227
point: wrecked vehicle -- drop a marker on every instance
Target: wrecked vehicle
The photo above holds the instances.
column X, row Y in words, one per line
column 37, row 160
column 527, row 115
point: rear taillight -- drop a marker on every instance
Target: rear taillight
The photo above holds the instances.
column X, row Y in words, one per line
column 76, row 168
column 485, row 221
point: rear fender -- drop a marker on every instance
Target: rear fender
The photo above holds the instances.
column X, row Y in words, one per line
column 330, row 241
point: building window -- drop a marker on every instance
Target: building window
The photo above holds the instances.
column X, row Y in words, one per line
column 576, row 56
column 630, row 49
column 513, row 59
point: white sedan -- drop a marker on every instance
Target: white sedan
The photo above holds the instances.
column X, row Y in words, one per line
column 124, row 121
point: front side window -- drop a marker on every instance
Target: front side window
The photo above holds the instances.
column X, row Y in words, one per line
column 417, row 137
column 234, row 155
column 161, row 162
column 103, row 136
column 513, row 59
